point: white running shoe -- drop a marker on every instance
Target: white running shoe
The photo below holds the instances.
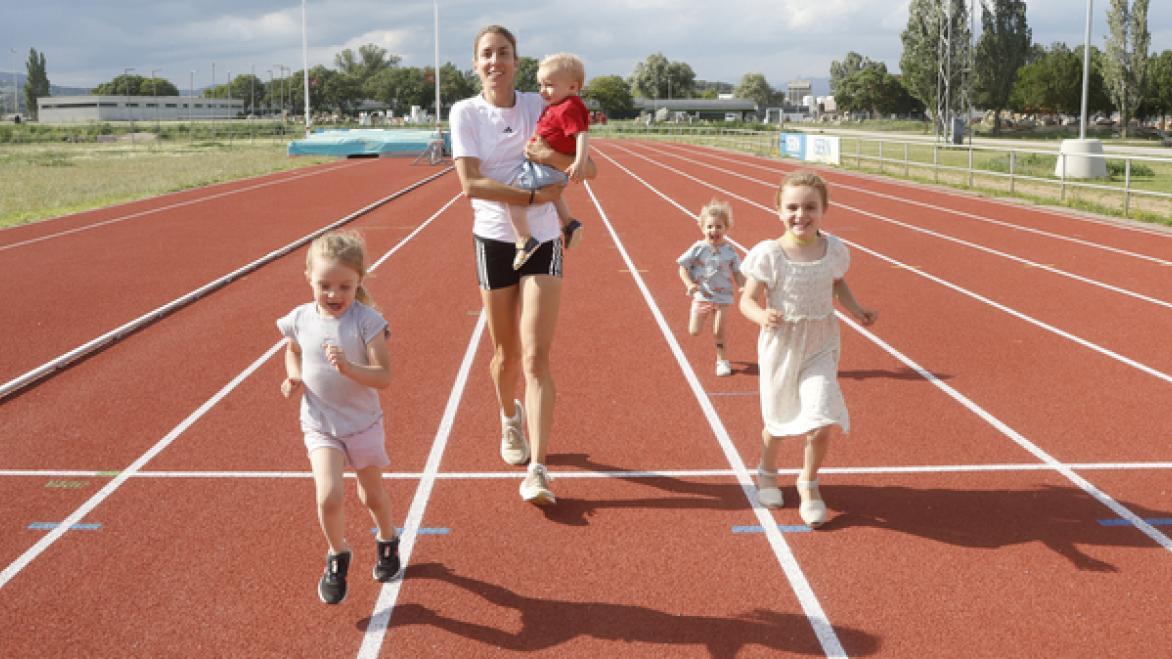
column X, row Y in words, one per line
column 768, row 494
column 514, row 446
column 723, row 369
column 535, row 486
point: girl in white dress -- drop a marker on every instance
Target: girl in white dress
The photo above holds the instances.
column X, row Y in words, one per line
column 791, row 286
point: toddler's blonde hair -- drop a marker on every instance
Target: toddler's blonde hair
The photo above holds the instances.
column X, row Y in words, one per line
column 346, row 248
column 564, row 63
column 716, row 209
column 804, row 178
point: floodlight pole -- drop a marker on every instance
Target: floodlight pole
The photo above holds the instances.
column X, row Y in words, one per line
column 1086, row 73
column 155, row 96
column 15, row 98
column 305, row 64
column 435, row 11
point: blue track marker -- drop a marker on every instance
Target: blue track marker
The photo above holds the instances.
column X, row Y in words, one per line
column 49, row 526
column 1118, row 521
column 439, row 530
column 798, row 528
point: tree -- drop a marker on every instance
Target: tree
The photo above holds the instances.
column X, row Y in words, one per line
column 399, row 88
column 852, row 63
column 656, row 77
column 370, row 60
column 136, row 85
column 527, row 74
column 613, row 96
column 871, row 89
column 1002, row 50
column 926, row 55
column 1158, row 98
column 754, row 86
column 36, row 84
column 1052, row 84
column 1126, row 62
column 456, row 84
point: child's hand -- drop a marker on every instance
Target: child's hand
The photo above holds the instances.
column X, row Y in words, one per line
column 574, row 173
column 290, row 386
column 770, row 319
column 866, row 316
column 692, row 288
column 337, row 357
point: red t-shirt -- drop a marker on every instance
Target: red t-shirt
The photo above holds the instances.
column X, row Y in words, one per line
column 560, row 123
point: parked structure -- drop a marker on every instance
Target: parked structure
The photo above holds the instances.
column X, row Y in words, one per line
column 724, row 109
column 81, row 109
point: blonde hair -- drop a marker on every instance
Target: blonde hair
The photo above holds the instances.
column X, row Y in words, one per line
column 346, row 248
column 716, row 209
column 804, row 178
column 493, row 29
column 564, row 63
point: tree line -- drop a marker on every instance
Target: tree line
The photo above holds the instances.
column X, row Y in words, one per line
column 1003, row 70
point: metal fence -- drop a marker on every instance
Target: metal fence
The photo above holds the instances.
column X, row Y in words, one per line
column 1137, row 185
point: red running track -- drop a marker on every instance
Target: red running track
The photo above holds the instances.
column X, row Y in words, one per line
column 1006, row 404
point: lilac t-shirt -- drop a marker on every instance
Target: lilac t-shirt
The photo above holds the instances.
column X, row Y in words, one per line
column 334, row 404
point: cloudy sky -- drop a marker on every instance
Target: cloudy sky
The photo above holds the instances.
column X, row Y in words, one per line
column 86, row 43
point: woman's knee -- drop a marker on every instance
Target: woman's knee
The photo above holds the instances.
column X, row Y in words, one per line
column 330, row 500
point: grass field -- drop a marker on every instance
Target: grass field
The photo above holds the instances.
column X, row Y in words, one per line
column 49, row 180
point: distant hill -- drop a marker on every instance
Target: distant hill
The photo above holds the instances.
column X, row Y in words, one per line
column 54, row 90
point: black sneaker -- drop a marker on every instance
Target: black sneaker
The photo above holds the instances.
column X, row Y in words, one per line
column 387, row 565
column 331, row 588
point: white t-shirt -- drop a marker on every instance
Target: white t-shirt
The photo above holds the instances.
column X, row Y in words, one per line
column 333, row 403
column 497, row 138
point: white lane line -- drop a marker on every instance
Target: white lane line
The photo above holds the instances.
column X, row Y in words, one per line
column 380, row 618
column 997, row 424
column 150, row 211
column 135, row 467
column 935, row 234
column 1111, row 224
column 821, row 626
column 67, row 359
column 609, row 473
column 920, row 273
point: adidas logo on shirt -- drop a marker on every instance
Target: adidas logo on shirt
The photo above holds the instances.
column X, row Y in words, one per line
column 508, row 130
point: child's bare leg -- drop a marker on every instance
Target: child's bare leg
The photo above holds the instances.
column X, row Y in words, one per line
column 695, row 320
column 813, row 508
column 327, row 465
column 718, row 331
column 564, row 216
column 768, row 494
column 519, row 221
column 373, row 495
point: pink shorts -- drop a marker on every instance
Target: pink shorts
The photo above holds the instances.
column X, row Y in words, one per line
column 701, row 308
column 366, row 448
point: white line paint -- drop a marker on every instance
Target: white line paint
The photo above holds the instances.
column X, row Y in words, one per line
column 151, row 211
column 919, row 272
column 821, row 626
column 67, row 359
column 380, row 617
column 1000, row 426
column 135, row 467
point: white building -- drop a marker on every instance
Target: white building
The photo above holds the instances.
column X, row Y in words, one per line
column 81, row 109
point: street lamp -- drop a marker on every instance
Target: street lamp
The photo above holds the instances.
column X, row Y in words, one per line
column 190, row 99
column 126, row 94
column 1082, row 158
column 15, row 98
column 155, row 96
column 272, row 88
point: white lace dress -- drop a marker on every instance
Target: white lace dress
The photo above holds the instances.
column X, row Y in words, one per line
column 798, row 360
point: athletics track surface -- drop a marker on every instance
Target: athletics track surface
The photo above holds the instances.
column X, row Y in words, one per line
column 1005, row 490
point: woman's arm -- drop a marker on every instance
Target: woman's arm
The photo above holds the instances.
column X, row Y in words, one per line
column 479, row 186
column 539, row 151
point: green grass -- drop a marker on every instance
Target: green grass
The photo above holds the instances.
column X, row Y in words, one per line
column 44, row 180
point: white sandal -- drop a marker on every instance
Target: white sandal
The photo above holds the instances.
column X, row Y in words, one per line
column 812, row 511
column 768, row 494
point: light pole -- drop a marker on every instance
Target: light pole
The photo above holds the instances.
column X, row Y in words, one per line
column 1086, row 73
column 439, row 134
column 305, row 63
column 155, row 96
column 272, row 88
column 15, row 98
column 252, row 90
column 281, row 72
column 213, row 79
column 191, row 100
column 126, row 91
